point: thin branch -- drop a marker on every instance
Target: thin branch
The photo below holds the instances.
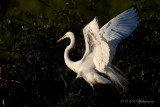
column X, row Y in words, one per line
column 0, row 73
column 47, row 5
column 78, row 13
column 62, row 77
column 21, row 20
column 63, row 80
column 14, row 81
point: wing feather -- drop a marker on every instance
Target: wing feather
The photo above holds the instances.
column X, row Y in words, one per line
column 119, row 28
column 101, row 44
column 95, row 45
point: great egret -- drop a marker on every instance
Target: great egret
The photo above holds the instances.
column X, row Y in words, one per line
column 101, row 45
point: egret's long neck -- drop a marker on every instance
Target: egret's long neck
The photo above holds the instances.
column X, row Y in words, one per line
column 67, row 59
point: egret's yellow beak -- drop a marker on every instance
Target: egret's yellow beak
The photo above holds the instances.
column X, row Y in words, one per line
column 61, row 39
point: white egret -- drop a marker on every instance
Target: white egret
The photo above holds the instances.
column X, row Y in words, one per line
column 95, row 66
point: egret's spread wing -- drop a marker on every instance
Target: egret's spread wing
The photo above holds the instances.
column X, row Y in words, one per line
column 119, row 28
column 96, row 47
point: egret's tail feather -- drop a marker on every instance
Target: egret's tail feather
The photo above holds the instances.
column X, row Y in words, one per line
column 117, row 79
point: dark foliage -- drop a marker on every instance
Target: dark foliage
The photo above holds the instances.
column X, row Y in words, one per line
column 32, row 68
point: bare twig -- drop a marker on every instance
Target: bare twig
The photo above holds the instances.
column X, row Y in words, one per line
column 21, row 20
column 47, row 5
column 62, row 77
column 63, row 80
column 3, row 102
column 14, row 81
column 78, row 13
column 0, row 73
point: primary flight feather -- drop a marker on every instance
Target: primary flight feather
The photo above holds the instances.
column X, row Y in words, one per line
column 101, row 45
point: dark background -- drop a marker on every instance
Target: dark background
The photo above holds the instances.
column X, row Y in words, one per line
column 32, row 68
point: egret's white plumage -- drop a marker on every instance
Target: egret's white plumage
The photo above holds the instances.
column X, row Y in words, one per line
column 100, row 48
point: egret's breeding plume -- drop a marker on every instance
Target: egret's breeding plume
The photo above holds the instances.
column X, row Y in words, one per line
column 95, row 66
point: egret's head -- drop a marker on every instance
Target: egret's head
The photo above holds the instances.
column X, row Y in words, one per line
column 67, row 35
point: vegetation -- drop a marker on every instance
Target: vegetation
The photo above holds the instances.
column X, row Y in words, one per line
column 32, row 68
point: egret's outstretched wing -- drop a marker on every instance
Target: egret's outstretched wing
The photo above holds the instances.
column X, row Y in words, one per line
column 119, row 28
column 96, row 47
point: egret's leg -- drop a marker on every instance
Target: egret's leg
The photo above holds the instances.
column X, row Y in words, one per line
column 93, row 88
column 73, row 81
